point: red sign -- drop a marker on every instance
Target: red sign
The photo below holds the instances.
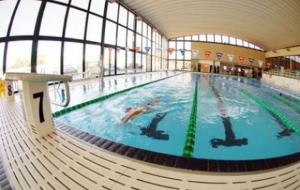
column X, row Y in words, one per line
column 242, row 59
column 207, row 54
column 269, row 65
column 171, row 50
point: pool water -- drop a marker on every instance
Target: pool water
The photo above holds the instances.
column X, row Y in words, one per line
column 236, row 118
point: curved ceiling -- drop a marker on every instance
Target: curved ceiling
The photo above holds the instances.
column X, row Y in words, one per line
column 271, row 24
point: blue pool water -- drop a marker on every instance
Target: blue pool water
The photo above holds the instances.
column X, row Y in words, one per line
column 230, row 125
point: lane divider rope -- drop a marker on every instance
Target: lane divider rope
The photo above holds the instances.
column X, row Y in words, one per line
column 282, row 118
column 189, row 143
column 101, row 98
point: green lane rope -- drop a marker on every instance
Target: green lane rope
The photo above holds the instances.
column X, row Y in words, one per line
column 281, row 117
column 188, row 148
column 295, row 105
column 101, row 98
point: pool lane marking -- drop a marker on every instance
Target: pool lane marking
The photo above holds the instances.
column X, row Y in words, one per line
column 274, row 112
column 189, row 143
column 230, row 139
column 294, row 105
column 101, row 98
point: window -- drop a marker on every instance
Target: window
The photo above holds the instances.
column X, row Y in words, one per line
column 121, row 36
column 246, row 44
column 144, row 45
column 48, row 57
column 130, row 65
column 131, row 20
column 92, row 58
column 123, row 16
column 138, row 41
column 97, row 6
column 251, row 45
column 121, row 61
column 172, row 47
column 130, row 39
column 149, row 32
column 225, row 39
column 218, row 38
column 171, row 65
column 239, row 42
column 25, row 18
column 19, row 56
column 195, row 37
column 53, row 20
column 144, row 63
column 109, row 61
column 110, row 33
column 139, row 26
column 94, row 30
column 180, row 54
column 145, row 26
column 112, row 11
column 6, row 10
column 72, row 58
column 210, row 37
column 202, row 37
column 232, row 40
column 80, row 3
column 1, row 58
column 75, row 24
column 187, row 38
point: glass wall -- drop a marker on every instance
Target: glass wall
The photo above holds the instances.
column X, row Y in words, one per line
column 180, row 52
column 71, row 36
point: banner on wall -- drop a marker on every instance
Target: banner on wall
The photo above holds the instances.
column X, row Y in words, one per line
column 207, row 54
column 260, row 63
column 118, row 49
column 250, row 61
column 219, row 55
column 195, row 53
column 242, row 59
column 182, row 51
column 147, row 49
column 230, row 57
column 171, row 50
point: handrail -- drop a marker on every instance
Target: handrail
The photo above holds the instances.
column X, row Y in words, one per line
column 34, row 77
column 288, row 74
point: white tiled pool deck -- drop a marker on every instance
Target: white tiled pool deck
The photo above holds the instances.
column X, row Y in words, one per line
column 60, row 161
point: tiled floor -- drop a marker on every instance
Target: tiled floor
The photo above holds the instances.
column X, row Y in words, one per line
column 60, row 161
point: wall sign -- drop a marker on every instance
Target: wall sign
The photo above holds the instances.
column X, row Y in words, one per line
column 147, row 49
column 242, row 59
column 250, row 61
column 171, row 50
column 207, row 54
column 195, row 53
column 182, row 51
column 219, row 55
column 230, row 57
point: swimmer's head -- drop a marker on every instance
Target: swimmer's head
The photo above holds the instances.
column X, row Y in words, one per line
column 128, row 109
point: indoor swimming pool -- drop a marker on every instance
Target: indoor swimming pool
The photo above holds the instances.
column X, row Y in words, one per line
column 193, row 115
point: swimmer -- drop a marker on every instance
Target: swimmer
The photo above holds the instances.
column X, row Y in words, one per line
column 134, row 112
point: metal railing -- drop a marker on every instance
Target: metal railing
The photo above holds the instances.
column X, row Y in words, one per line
column 286, row 73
